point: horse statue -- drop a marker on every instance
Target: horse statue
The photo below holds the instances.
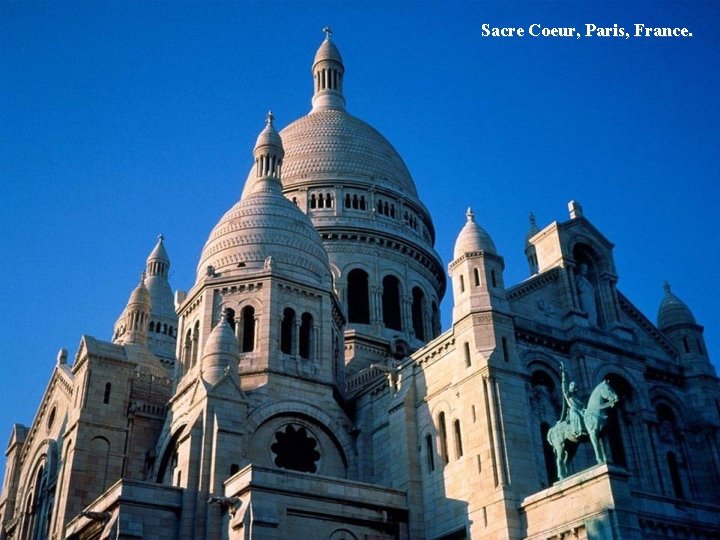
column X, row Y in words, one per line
column 580, row 424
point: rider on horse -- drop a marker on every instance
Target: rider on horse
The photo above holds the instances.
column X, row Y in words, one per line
column 572, row 408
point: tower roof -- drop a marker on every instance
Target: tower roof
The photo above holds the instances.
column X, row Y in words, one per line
column 159, row 253
column 673, row 311
column 472, row 238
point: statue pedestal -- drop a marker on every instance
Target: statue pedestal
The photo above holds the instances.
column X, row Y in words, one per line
column 591, row 504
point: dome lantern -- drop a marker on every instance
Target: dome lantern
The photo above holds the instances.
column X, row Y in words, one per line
column 268, row 153
column 328, row 72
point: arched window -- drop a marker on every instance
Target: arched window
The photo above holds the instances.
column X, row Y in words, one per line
column 505, row 349
column 152, row 326
column 476, row 275
column 493, row 279
column 462, row 283
column 248, row 328
column 347, row 201
column 306, row 335
column 328, row 200
column 442, row 431
column 430, row 451
column 355, row 203
column 686, row 344
column 287, row 329
column 391, row 303
column 362, row 202
column 187, row 350
column 418, row 308
column 195, row 343
column 358, row 297
column 468, row 360
column 230, row 317
column 106, row 395
column 458, row 439
column 668, row 434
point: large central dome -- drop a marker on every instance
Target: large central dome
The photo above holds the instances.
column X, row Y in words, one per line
column 333, row 143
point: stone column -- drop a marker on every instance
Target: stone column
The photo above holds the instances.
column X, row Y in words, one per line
column 295, row 341
column 406, row 314
column 256, row 340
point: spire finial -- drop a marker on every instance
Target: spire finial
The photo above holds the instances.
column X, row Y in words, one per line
column 161, row 237
column 143, row 275
column 328, row 32
column 533, row 224
column 470, row 214
column 666, row 287
column 269, row 117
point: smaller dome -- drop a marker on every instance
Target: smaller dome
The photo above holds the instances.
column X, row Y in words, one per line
column 327, row 49
column 673, row 311
column 269, row 137
column 473, row 238
column 220, row 352
column 264, row 230
column 140, row 294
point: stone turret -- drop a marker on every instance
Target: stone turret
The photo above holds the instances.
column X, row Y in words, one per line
column 476, row 271
column 677, row 322
column 221, row 351
column 162, row 329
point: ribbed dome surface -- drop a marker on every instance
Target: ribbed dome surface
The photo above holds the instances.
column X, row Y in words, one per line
column 335, row 144
column 472, row 238
column 673, row 311
column 265, row 224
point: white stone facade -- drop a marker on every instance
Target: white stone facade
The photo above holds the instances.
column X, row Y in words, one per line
column 302, row 387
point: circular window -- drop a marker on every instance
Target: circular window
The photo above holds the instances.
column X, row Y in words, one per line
column 295, row 448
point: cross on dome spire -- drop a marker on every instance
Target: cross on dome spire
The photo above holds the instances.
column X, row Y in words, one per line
column 470, row 214
column 269, row 117
column 328, row 32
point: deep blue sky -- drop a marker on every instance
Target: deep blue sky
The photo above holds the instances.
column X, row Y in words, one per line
column 120, row 121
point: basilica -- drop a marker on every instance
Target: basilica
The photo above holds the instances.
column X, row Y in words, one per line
column 303, row 388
